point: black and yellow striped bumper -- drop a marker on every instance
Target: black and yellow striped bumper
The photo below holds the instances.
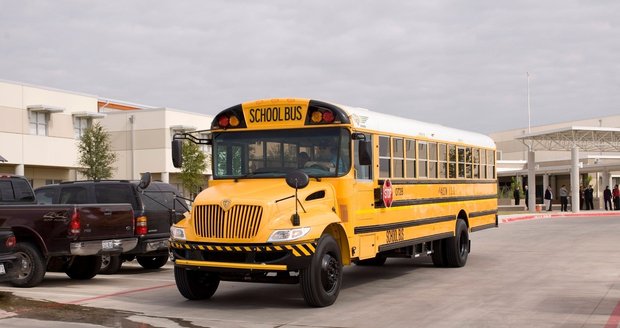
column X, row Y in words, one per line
column 242, row 257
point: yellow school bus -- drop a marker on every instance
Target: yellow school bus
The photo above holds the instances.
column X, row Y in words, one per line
column 303, row 187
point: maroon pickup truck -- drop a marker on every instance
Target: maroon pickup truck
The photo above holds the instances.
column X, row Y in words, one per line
column 68, row 238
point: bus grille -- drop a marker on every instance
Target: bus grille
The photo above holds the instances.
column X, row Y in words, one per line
column 240, row 222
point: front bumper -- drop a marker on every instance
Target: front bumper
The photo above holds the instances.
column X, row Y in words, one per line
column 242, row 257
column 154, row 246
column 103, row 247
column 9, row 265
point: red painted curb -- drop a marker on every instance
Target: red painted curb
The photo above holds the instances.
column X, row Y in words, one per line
column 556, row 215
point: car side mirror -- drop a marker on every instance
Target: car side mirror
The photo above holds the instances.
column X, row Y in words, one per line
column 145, row 180
column 177, row 153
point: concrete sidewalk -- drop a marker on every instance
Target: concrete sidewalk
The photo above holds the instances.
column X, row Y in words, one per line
column 507, row 218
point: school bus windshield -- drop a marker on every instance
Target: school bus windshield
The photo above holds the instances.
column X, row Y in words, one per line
column 321, row 152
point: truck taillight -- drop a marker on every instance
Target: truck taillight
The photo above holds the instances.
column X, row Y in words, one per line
column 141, row 227
column 11, row 242
column 75, row 226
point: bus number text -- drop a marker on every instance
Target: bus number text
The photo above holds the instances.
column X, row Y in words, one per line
column 395, row 235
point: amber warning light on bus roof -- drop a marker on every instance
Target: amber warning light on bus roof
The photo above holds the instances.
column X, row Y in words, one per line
column 231, row 118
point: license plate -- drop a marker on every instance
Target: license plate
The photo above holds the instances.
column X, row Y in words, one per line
column 107, row 244
column 2, row 270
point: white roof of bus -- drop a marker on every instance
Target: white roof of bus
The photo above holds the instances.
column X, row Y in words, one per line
column 364, row 118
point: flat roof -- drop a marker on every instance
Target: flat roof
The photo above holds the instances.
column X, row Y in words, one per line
column 586, row 138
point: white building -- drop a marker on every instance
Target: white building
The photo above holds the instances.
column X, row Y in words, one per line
column 596, row 168
column 40, row 129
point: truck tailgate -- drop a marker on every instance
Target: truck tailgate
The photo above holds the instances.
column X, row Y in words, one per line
column 106, row 221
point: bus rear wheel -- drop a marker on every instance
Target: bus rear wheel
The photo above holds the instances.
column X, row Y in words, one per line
column 321, row 280
column 195, row 284
column 457, row 247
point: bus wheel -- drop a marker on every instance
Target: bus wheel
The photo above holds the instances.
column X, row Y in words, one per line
column 457, row 247
column 321, row 280
column 194, row 284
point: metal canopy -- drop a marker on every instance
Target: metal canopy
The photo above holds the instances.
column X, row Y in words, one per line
column 585, row 138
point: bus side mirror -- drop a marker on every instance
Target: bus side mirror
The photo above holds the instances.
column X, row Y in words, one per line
column 297, row 179
column 365, row 152
column 177, row 153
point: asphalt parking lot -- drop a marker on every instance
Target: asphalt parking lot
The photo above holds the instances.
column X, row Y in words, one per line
column 531, row 272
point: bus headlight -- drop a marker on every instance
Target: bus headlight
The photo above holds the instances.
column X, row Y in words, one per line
column 177, row 233
column 288, row 234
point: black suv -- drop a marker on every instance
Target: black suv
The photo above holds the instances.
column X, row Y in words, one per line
column 156, row 208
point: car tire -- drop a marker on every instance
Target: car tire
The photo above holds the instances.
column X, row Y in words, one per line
column 31, row 265
column 84, row 267
column 110, row 264
column 152, row 262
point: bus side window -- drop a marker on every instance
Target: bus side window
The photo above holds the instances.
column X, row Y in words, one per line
column 362, row 150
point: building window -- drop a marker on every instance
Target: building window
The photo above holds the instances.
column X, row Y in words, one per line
column 38, row 123
column 52, row 181
column 80, row 124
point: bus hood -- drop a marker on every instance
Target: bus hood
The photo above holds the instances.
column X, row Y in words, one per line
column 274, row 196
column 259, row 192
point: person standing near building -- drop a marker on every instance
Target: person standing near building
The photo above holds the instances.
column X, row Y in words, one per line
column 517, row 195
column 527, row 198
column 616, row 197
column 548, row 197
column 580, row 197
column 589, row 197
column 607, row 198
column 563, row 199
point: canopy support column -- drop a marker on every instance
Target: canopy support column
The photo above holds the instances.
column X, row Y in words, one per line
column 574, row 179
column 531, row 181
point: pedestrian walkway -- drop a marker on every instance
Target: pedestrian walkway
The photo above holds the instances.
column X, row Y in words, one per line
column 512, row 217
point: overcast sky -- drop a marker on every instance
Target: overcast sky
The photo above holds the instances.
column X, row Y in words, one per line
column 457, row 63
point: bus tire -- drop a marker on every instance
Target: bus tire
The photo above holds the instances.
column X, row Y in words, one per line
column 84, row 267
column 439, row 254
column 378, row 260
column 110, row 264
column 152, row 262
column 321, row 280
column 195, row 284
column 31, row 266
column 457, row 247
